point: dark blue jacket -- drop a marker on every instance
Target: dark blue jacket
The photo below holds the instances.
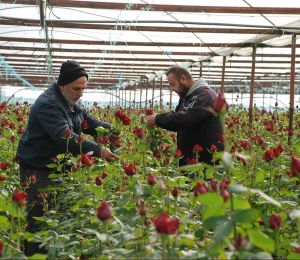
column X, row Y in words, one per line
column 194, row 123
column 44, row 136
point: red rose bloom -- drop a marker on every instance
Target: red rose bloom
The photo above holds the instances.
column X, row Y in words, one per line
column 197, row 148
column 200, row 188
column 104, row 211
column 67, row 133
column 239, row 242
column 138, row 131
column 223, row 184
column 175, row 192
column 277, row 150
column 79, row 139
column 260, row 140
column 242, row 160
column 1, row 248
column 3, row 165
column 213, row 148
column 268, row 155
column 295, row 166
column 214, row 185
column 129, row 169
column 85, row 124
column 149, row 111
column 20, row 197
column 86, row 159
column 3, row 105
column 104, row 175
column 191, row 161
column 225, row 194
column 126, row 120
column 165, row 224
column 99, row 181
column 177, row 153
column 275, row 221
column 151, row 179
column 220, row 104
column 221, row 138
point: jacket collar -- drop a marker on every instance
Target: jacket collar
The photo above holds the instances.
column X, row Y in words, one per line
column 198, row 84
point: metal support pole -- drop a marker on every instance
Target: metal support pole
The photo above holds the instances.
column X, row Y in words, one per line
column 160, row 94
column 47, row 40
column 153, row 88
column 130, row 97
column 223, row 74
column 141, row 92
column 292, row 88
column 134, row 96
column 146, row 102
column 252, row 89
column 200, row 69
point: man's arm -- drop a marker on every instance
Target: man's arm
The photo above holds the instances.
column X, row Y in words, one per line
column 191, row 114
column 93, row 123
column 52, row 120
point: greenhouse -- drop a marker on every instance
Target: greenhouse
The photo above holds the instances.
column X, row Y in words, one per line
column 149, row 129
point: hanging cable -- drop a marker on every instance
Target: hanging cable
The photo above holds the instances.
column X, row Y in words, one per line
column 266, row 18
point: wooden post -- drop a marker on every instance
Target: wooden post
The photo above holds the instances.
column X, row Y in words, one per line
column 146, row 102
column 252, row 89
column 292, row 88
column 200, row 69
column 122, row 95
column 141, row 89
column 130, row 97
column 134, row 96
column 223, row 74
column 153, row 88
column 160, row 95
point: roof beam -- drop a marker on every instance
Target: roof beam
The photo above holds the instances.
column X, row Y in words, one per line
column 61, row 24
column 136, row 67
column 109, row 51
column 163, row 7
column 161, row 44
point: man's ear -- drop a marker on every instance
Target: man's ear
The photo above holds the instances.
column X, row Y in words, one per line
column 182, row 77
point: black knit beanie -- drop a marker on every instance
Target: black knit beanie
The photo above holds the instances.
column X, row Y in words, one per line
column 70, row 70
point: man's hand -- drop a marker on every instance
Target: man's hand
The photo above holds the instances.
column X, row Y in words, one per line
column 150, row 120
column 107, row 154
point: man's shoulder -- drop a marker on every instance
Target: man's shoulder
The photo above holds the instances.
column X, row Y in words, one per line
column 204, row 91
column 49, row 96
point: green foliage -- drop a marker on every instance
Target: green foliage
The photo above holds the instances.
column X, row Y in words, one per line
column 210, row 223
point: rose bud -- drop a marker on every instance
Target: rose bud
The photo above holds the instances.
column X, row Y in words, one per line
column 175, row 192
column 164, row 224
column 129, row 169
column 104, row 211
column 275, row 221
column 151, row 179
column 98, row 180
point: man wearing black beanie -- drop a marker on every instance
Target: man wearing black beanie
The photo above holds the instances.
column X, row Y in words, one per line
column 55, row 113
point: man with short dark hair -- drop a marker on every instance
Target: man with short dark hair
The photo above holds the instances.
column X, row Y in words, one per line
column 192, row 119
column 54, row 112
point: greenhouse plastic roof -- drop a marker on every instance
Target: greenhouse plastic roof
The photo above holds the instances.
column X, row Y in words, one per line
column 122, row 43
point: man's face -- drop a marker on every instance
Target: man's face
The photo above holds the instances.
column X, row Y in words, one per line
column 179, row 85
column 73, row 91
